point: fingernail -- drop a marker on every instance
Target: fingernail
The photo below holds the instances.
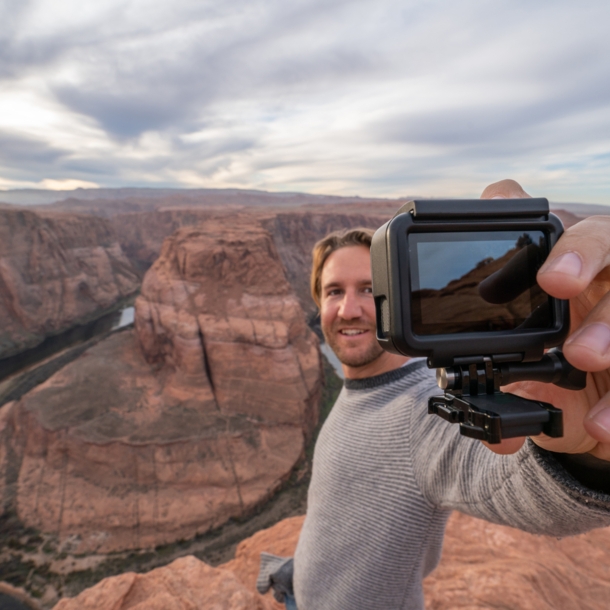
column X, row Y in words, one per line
column 595, row 337
column 602, row 421
column 498, row 197
column 569, row 263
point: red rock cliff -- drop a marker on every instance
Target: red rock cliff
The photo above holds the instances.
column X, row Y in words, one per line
column 56, row 270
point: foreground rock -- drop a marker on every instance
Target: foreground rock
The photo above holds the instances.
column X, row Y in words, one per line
column 131, row 447
column 56, row 270
column 185, row 583
column 190, row 583
column 483, row 566
column 489, row 566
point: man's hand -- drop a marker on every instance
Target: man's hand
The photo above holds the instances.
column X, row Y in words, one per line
column 578, row 269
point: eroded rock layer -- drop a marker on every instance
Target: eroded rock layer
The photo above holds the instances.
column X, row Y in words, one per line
column 195, row 417
column 56, row 270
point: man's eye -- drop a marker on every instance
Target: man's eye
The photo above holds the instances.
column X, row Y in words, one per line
column 368, row 290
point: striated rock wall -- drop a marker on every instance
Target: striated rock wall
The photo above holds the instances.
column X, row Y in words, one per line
column 141, row 234
column 217, row 309
column 295, row 234
column 195, row 417
column 56, row 270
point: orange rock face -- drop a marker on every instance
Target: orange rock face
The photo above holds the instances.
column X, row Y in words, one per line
column 216, row 308
column 489, row 566
column 56, row 270
column 164, row 432
column 185, row 583
column 483, row 566
column 281, row 540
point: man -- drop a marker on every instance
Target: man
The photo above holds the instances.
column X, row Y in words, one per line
column 386, row 475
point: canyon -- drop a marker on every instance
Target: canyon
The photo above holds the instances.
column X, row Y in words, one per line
column 195, row 416
column 57, row 270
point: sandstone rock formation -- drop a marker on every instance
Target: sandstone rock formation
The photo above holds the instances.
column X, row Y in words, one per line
column 281, row 540
column 131, row 447
column 141, row 234
column 56, row 270
column 186, row 583
column 483, row 566
column 294, row 233
column 489, row 566
column 217, row 309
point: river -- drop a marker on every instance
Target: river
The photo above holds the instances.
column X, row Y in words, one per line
column 71, row 337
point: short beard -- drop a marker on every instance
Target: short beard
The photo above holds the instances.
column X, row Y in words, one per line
column 355, row 360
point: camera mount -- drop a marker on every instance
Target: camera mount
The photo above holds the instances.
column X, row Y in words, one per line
column 455, row 281
column 473, row 398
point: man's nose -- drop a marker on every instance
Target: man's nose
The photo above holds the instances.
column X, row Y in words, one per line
column 351, row 307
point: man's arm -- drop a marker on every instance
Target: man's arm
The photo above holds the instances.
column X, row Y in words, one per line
column 578, row 269
column 532, row 489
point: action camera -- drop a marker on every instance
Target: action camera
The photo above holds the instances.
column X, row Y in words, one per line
column 455, row 281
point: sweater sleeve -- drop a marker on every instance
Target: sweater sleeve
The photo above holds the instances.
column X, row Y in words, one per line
column 529, row 490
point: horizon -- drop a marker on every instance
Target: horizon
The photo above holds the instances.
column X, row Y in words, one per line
column 18, row 200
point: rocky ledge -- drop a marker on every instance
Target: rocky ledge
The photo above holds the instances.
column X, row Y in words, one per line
column 483, row 566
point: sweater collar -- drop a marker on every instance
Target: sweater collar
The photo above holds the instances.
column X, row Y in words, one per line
column 368, row 383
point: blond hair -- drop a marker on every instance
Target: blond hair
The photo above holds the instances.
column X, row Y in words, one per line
column 327, row 245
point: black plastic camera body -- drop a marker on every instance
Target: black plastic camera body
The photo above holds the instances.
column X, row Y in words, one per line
column 454, row 281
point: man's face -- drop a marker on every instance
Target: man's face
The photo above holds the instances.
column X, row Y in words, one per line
column 347, row 308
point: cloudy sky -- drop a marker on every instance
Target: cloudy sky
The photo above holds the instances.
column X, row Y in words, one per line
column 368, row 97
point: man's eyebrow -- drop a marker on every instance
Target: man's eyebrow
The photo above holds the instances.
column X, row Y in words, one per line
column 338, row 284
column 331, row 285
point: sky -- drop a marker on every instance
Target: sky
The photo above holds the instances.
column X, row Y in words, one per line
column 361, row 97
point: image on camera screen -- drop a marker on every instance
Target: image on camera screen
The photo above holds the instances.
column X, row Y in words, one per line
column 477, row 282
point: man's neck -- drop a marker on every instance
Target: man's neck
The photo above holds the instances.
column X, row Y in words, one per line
column 382, row 364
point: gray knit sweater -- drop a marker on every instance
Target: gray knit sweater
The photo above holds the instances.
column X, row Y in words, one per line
column 386, row 476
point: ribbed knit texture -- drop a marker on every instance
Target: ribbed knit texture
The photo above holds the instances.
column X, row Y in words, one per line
column 386, row 476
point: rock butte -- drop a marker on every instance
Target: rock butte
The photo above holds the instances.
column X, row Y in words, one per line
column 483, row 566
column 56, row 270
column 195, row 417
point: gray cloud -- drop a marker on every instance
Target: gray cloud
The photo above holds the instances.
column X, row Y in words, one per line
column 360, row 95
column 135, row 86
column 19, row 150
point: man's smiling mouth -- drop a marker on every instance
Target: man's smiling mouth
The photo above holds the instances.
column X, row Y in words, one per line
column 351, row 332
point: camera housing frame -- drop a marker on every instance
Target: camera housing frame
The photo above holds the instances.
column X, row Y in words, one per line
column 392, row 281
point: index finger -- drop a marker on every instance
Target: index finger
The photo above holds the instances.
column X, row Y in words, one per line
column 581, row 253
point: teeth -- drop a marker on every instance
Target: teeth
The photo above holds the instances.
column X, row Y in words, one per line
column 352, row 332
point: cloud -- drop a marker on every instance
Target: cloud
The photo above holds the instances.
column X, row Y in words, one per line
column 371, row 97
column 66, row 185
column 18, row 150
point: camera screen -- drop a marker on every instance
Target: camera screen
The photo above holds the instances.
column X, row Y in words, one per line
column 477, row 281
